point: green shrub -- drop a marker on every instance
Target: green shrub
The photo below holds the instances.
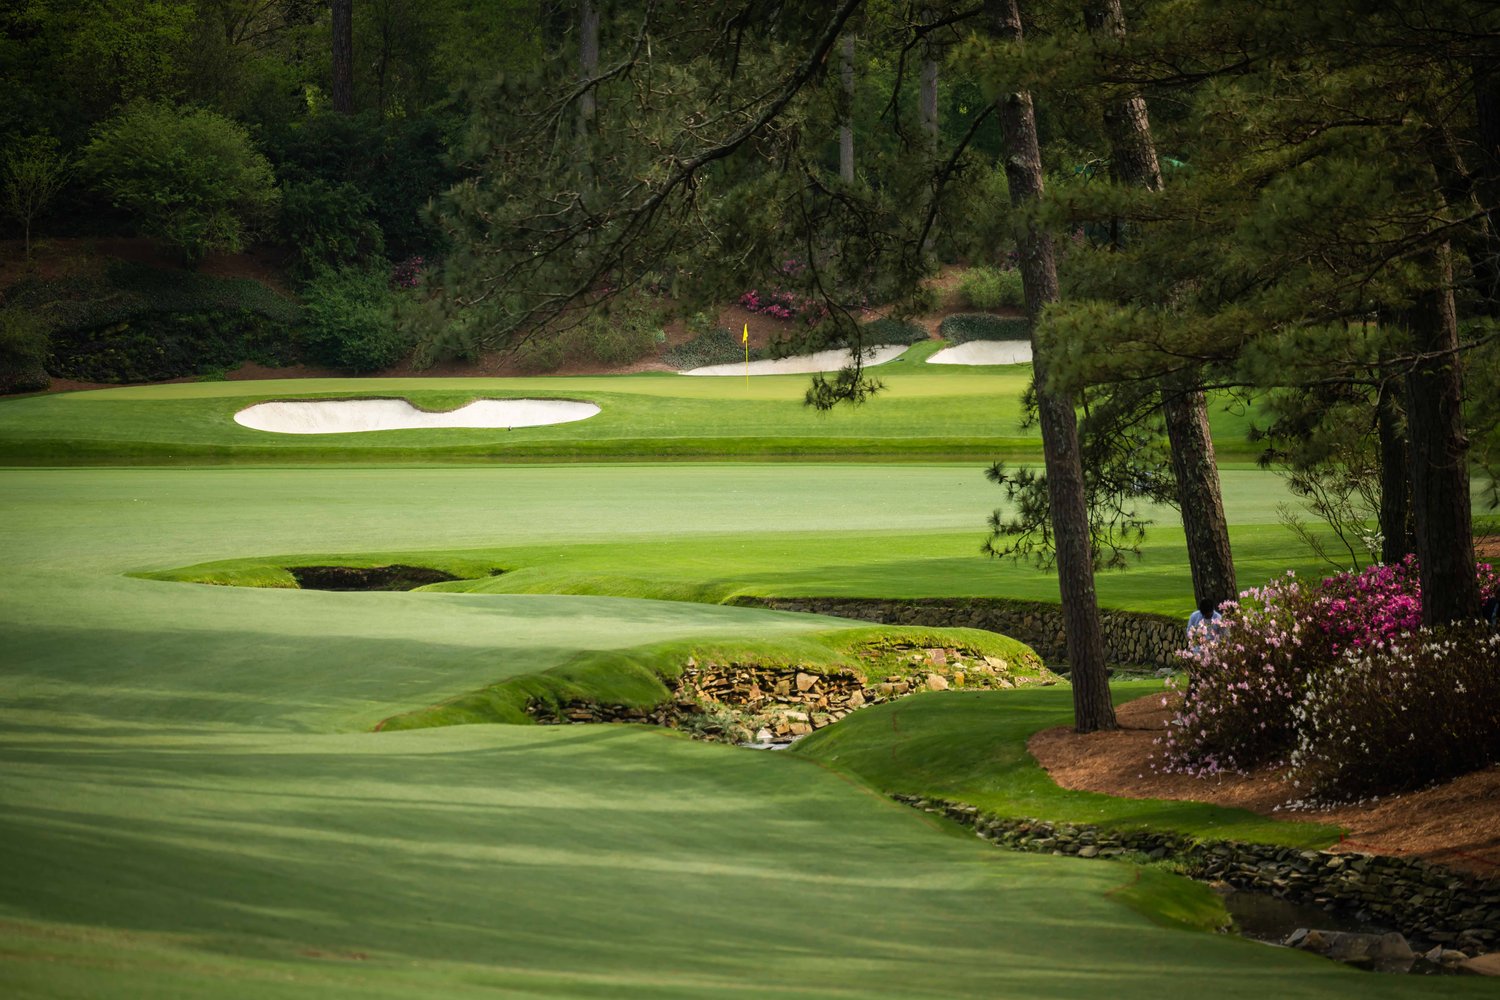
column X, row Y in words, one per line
column 154, row 346
column 23, row 352
column 719, row 346
column 328, row 225
column 1398, row 717
column 889, row 330
column 627, row 331
column 960, row 328
column 135, row 323
column 349, row 319
column 541, row 354
column 187, row 176
column 992, row 288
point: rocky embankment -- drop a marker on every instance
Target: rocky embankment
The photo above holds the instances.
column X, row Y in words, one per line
column 750, row 703
column 1451, row 916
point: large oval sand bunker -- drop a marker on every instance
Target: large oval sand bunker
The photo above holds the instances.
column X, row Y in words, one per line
column 351, row 416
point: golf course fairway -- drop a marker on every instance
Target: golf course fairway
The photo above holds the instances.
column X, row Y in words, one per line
column 193, row 804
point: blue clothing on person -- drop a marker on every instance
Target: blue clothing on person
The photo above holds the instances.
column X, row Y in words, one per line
column 1197, row 618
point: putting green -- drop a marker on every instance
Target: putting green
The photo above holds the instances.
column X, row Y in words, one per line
column 191, row 805
column 927, row 412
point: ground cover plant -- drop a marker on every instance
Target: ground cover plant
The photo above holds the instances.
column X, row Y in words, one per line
column 195, row 803
column 960, row 328
column 1329, row 667
column 130, row 322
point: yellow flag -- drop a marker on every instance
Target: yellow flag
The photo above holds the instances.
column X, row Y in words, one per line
column 745, row 337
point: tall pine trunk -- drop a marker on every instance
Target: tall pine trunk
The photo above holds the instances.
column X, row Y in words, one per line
column 1198, row 493
column 342, row 90
column 1185, row 408
column 1092, row 708
column 1440, row 455
column 1396, row 541
column 588, row 65
column 846, row 108
column 928, row 105
column 928, row 94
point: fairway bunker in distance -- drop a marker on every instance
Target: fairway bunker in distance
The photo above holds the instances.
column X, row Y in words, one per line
column 984, row 352
column 802, row 364
column 351, row 416
column 395, row 577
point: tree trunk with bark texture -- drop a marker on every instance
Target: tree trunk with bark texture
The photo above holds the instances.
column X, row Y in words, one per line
column 928, row 99
column 1395, row 487
column 1487, row 176
column 846, row 109
column 588, row 65
column 1092, row 708
column 1198, row 492
column 928, row 106
column 1439, row 456
column 1133, row 161
column 341, row 92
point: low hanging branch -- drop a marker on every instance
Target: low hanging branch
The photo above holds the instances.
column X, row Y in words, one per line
column 526, row 268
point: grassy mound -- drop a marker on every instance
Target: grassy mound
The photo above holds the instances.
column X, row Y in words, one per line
column 642, row 677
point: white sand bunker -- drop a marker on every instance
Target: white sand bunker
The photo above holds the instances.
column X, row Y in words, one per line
column 802, row 364
column 350, row 416
column 984, row 352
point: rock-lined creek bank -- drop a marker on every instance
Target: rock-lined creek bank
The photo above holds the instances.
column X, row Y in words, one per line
column 754, row 704
column 1444, row 917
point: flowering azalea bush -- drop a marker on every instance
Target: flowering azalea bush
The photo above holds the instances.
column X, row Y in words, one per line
column 1248, row 675
column 1244, row 674
column 1398, row 715
column 408, row 273
column 781, row 305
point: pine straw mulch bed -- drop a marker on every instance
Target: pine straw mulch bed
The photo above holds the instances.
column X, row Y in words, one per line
column 1455, row 824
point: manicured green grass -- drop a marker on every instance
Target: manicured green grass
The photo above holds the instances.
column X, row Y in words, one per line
column 928, row 412
column 698, row 532
column 192, row 804
column 971, row 747
column 885, row 531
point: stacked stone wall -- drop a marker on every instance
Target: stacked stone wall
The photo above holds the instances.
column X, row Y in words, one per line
column 745, row 702
column 1129, row 637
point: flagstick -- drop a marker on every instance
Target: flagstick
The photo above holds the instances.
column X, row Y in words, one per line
column 745, row 339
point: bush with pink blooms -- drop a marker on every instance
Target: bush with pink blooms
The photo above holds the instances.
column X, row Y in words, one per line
column 1399, row 715
column 1248, row 678
column 1243, row 678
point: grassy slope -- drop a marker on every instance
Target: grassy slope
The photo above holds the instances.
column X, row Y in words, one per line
column 188, row 810
column 643, row 676
column 971, row 747
column 927, row 412
column 874, row 531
